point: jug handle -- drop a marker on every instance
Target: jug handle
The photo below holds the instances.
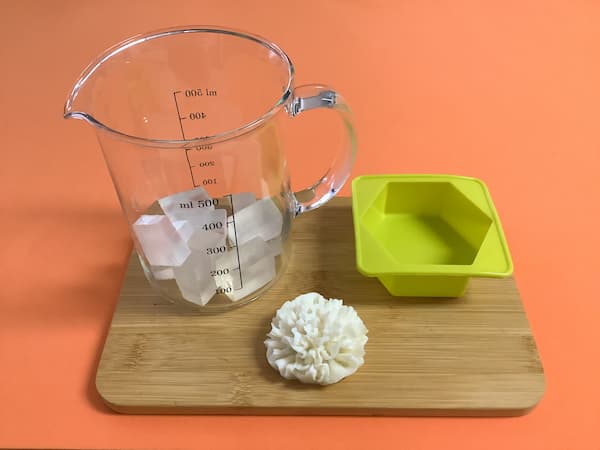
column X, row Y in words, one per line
column 314, row 96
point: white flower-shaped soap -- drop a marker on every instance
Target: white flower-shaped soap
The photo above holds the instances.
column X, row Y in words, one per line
column 316, row 340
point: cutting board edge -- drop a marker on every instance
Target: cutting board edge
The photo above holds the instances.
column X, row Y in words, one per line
column 296, row 411
column 514, row 411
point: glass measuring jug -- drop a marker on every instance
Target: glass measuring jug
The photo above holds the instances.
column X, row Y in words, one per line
column 189, row 121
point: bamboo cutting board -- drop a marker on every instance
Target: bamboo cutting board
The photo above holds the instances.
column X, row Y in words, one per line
column 474, row 355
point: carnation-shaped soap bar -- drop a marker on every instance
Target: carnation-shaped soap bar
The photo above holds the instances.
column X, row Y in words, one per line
column 316, row 340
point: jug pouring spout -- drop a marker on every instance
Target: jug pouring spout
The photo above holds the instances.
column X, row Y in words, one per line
column 69, row 114
column 92, row 97
column 78, row 104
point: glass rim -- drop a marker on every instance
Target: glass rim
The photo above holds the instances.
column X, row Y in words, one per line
column 165, row 32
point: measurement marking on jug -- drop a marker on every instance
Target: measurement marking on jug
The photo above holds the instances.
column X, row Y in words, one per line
column 208, row 163
column 187, row 157
column 209, row 202
column 216, row 250
column 178, row 113
column 183, row 135
column 237, row 250
column 199, row 92
column 196, row 115
column 217, row 272
column 211, row 226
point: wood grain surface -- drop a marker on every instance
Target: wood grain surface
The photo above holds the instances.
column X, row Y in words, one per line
column 473, row 356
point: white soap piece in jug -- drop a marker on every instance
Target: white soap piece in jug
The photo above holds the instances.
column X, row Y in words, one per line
column 274, row 246
column 241, row 200
column 228, row 264
column 184, row 228
column 161, row 243
column 162, row 272
column 251, row 251
column 253, row 277
column 315, row 340
column 231, row 231
column 260, row 219
column 246, row 255
column 194, row 279
column 190, row 205
column 210, row 231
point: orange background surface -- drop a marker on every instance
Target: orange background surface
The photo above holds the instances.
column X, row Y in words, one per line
column 505, row 91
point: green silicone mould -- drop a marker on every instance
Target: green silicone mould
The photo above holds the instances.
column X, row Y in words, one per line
column 426, row 235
